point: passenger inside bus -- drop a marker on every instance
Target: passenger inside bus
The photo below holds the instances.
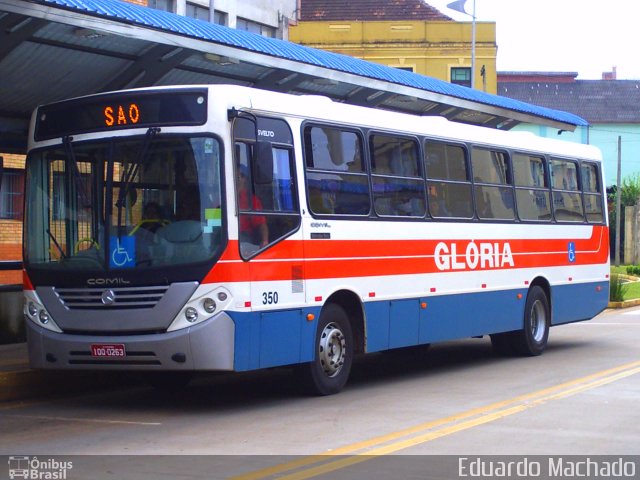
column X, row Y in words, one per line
column 152, row 218
column 254, row 233
column 437, row 203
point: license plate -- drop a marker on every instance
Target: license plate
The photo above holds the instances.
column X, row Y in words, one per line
column 108, row 350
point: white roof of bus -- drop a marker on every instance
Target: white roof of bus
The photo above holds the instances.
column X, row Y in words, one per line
column 324, row 109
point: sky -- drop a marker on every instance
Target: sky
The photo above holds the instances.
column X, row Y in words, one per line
column 585, row 36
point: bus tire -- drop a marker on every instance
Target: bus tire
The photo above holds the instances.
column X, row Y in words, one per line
column 328, row 373
column 532, row 339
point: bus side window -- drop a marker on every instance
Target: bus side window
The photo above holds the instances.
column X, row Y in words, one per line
column 591, row 193
column 398, row 188
column 336, row 180
column 567, row 201
column 532, row 187
column 268, row 205
column 492, row 178
column 448, row 184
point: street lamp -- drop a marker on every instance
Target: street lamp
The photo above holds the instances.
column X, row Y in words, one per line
column 458, row 6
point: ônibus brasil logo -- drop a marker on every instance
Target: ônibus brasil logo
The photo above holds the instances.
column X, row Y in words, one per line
column 38, row 469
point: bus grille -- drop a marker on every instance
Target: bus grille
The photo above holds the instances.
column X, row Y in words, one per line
column 111, row 298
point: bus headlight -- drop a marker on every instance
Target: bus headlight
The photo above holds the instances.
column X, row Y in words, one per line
column 44, row 317
column 203, row 304
column 35, row 311
column 191, row 314
column 209, row 305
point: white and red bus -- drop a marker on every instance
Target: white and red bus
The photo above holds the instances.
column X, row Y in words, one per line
column 222, row 228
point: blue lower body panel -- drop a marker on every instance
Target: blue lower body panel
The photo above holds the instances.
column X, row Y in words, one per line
column 400, row 323
column 270, row 339
column 572, row 303
column 394, row 324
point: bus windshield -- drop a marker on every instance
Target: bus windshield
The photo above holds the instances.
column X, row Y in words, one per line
column 124, row 203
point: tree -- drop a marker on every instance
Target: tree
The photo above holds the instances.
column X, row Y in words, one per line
column 630, row 190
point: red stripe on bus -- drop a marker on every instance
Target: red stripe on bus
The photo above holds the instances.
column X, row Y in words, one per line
column 324, row 259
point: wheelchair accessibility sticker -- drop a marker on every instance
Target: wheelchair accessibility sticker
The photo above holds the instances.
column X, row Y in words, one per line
column 572, row 252
column 123, row 252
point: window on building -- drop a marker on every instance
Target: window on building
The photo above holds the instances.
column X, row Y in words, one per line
column 12, row 194
column 461, row 76
column 255, row 27
column 220, row 18
column 197, row 12
column 164, row 5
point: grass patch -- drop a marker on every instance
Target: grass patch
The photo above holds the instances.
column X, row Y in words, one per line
column 622, row 291
column 632, row 291
column 621, row 269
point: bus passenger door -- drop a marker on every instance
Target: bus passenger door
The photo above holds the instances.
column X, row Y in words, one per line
column 269, row 238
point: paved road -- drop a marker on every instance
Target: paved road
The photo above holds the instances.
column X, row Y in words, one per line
column 458, row 399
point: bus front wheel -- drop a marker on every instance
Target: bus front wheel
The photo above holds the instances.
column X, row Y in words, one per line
column 329, row 371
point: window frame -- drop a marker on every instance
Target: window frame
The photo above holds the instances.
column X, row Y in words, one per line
column 398, row 176
column 431, row 181
column 267, row 214
column 598, row 193
column 307, row 148
column 566, row 191
column 15, row 196
column 459, row 69
column 545, row 188
column 506, row 186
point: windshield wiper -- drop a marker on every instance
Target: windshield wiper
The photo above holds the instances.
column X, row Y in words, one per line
column 132, row 171
column 71, row 165
column 55, row 242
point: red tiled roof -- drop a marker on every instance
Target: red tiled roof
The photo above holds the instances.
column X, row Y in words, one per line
column 368, row 10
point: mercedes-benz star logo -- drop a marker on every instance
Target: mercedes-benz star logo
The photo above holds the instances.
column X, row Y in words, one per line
column 108, row 297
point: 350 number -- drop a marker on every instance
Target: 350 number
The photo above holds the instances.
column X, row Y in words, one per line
column 269, row 298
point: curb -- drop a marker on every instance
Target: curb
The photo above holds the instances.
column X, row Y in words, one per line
column 625, row 304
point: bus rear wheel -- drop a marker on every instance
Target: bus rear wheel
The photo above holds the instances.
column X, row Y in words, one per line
column 532, row 339
column 329, row 371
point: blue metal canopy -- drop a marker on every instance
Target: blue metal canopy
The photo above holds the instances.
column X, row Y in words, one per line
column 89, row 46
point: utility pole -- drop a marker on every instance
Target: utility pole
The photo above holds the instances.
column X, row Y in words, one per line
column 458, row 6
column 618, row 194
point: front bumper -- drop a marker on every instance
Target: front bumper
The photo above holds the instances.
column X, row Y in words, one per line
column 209, row 345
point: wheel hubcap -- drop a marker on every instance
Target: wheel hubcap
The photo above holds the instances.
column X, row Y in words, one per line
column 538, row 321
column 332, row 350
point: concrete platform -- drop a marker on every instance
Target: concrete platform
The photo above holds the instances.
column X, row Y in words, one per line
column 19, row 382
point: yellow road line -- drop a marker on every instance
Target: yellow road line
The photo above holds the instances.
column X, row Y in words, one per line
column 84, row 420
column 385, row 444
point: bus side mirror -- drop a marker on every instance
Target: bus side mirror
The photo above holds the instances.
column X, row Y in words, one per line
column 263, row 164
